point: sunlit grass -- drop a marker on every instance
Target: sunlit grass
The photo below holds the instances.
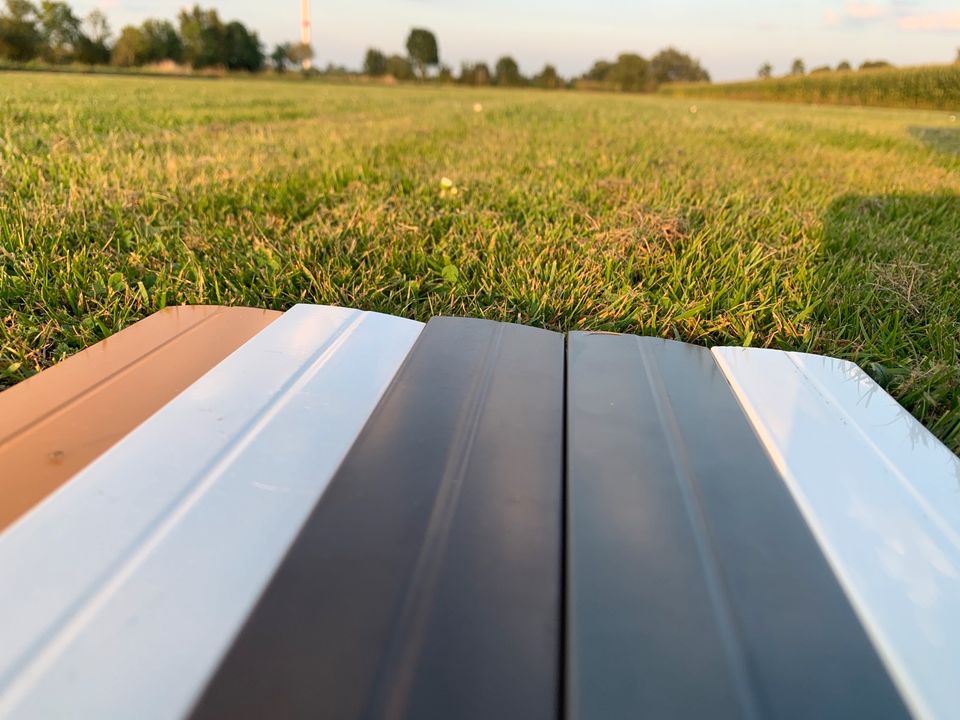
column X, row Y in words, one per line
column 824, row 229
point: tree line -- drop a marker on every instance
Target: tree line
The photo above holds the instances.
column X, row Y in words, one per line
column 505, row 73
column 629, row 72
column 50, row 32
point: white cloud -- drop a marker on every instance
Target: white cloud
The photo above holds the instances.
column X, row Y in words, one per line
column 898, row 13
column 931, row 22
column 858, row 13
column 866, row 11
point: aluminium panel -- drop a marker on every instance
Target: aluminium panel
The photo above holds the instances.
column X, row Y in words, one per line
column 133, row 578
column 883, row 498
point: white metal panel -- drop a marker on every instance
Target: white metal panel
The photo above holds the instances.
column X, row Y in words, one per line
column 124, row 589
column 882, row 496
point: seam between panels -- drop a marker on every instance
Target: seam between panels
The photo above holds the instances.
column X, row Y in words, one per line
column 741, row 403
column 387, row 391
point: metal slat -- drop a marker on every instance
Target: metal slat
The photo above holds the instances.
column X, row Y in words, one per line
column 695, row 589
column 54, row 424
column 882, row 496
column 426, row 583
column 133, row 579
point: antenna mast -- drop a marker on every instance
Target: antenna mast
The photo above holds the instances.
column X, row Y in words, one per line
column 305, row 31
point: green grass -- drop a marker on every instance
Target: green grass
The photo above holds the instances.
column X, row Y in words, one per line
column 933, row 87
column 831, row 230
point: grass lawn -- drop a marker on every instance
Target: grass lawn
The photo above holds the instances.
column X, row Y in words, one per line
column 832, row 230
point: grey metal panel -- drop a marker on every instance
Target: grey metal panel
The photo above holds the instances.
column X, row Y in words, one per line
column 695, row 588
column 426, row 583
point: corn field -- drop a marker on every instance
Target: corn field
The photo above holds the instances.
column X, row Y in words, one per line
column 934, row 87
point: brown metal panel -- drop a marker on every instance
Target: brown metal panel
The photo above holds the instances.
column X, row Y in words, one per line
column 54, row 424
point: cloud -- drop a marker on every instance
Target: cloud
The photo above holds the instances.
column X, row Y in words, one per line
column 898, row 13
column 865, row 11
column 930, row 22
column 858, row 13
column 902, row 12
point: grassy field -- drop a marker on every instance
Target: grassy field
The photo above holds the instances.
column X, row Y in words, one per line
column 936, row 87
column 832, row 230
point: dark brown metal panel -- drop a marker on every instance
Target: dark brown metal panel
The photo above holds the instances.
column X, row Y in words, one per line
column 695, row 588
column 426, row 582
column 54, row 424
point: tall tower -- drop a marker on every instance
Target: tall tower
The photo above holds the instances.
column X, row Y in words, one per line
column 305, row 30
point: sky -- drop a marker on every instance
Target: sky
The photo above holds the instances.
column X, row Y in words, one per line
column 732, row 39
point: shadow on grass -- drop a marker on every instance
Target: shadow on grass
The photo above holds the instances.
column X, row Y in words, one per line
column 891, row 266
column 941, row 139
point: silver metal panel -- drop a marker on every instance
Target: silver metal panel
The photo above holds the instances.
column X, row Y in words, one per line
column 882, row 496
column 133, row 579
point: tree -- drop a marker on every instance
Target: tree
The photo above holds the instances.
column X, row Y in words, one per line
column 337, row 70
column 671, row 65
column 508, row 72
column 422, row 49
column 128, row 50
column 399, row 68
column 819, row 70
column 60, row 29
column 89, row 52
column 631, row 73
column 92, row 45
column 98, row 27
column 161, row 42
column 300, row 53
column 204, row 38
column 244, row 51
column 280, row 57
column 765, row 72
column 20, row 38
column 474, row 74
column 798, row 68
column 875, row 65
column 548, row 78
column 600, row 72
column 445, row 75
column 375, row 63
column 844, row 66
